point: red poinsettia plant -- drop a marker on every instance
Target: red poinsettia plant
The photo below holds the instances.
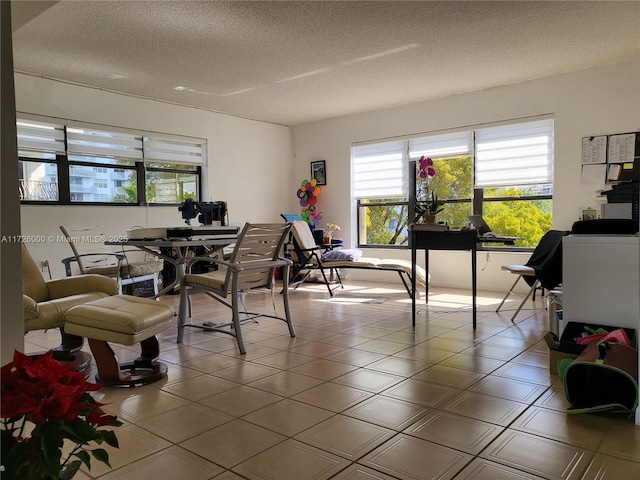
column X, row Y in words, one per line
column 43, row 404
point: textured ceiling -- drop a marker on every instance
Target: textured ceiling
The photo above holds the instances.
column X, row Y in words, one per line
column 295, row 62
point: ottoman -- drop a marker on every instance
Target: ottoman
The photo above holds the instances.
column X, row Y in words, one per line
column 125, row 320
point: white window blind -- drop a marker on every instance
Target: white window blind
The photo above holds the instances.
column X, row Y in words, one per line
column 443, row 145
column 514, row 154
column 88, row 141
column 380, row 170
column 174, row 151
column 40, row 136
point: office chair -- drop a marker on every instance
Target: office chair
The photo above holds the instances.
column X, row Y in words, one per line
column 543, row 269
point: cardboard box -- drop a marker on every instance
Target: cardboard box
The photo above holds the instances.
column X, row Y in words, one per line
column 566, row 346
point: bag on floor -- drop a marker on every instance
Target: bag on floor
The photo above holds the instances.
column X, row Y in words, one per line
column 604, row 377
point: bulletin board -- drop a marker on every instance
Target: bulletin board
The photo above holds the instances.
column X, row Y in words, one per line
column 610, row 158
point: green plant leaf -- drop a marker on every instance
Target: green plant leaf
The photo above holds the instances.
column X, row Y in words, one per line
column 50, row 435
column 109, row 436
column 102, row 455
column 14, row 455
column 84, row 456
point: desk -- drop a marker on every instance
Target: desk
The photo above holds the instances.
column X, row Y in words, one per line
column 442, row 240
column 181, row 247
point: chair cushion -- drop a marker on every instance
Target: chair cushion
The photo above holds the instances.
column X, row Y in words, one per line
column 348, row 254
column 213, row 279
column 132, row 269
column 50, row 314
column 33, row 284
column 520, row 270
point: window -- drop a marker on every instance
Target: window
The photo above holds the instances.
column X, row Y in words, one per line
column 69, row 164
column 503, row 172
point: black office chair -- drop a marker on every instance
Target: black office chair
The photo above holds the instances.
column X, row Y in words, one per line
column 543, row 269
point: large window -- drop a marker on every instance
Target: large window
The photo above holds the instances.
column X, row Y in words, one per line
column 71, row 164
column 503, row 172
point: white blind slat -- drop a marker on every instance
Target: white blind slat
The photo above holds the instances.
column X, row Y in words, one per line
column 444, row 145
column 100, row 142
column 380, row 170
column 514, row 154
column 40, row 136
column 174, row 151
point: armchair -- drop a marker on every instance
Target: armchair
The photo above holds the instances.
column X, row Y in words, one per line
column 46, row 302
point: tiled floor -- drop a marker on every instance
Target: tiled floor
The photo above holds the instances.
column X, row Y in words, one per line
column 359, row 394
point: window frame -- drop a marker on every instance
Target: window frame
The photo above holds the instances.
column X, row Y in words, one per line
column 139, row 166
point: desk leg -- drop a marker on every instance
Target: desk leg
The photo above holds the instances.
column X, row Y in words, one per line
column 184, row 297
column 474, row 284
column 413, row 287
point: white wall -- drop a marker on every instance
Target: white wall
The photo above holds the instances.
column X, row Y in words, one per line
column 598, row 101
column 249, row 161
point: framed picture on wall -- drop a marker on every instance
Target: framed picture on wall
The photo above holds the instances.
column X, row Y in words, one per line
column 319, row 172
column 588, row 213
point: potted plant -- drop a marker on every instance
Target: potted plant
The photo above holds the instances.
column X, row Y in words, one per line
column 427, row 203
column 43, row 405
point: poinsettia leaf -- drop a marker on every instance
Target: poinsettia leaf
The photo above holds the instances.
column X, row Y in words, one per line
column 84, row 456
column 50, row 446
column 84, row 432
column 109, row 436
column 69, row 472
column 102, row 455
column 14, row 455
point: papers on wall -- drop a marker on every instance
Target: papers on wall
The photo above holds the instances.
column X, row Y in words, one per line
column 594, row 150
column 593, row 176
column 622, row 148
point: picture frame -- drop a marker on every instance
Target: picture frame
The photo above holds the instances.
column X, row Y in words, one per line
column 588, row 213
column 319, row 172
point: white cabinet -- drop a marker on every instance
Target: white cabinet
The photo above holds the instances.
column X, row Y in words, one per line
column 601, row 281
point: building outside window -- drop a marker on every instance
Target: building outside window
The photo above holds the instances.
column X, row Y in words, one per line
column 502, row 172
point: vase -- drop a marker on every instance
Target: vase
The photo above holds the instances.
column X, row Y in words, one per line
column 427, row 218
column 327, row 239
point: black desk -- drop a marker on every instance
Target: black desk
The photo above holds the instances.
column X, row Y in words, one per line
column 442, row 240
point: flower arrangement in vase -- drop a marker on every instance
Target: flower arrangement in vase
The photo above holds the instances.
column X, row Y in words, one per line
column 427, row 203
column 44, row 399
column 331, row 230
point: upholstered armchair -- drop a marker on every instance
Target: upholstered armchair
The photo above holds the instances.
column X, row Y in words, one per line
column 46, row 302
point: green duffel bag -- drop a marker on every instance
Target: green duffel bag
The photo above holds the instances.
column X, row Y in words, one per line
column 604, row 377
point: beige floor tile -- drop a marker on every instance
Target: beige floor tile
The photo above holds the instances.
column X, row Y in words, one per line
column 245, row 372
column 344, row 436
column 358, row 358
column 232, row 443
column 285, row 383
column 388, row 412
column 134, row 444
column 533, row 358
column 540, row 456
column 475, row 363
column 424, row 354
column 447, row 344
column 208, row 364
column 358, row 472
column 383, row 347
column 184, row 422
column 485, row 407
column 554, row 398
column 172, row 463
column 399, row 366
column 584, row 431
column 493, row 351
column 227, row 476
column 323, row 369
column 423, row 393
column 318, row 349
column 604, row 467
column 284, row 360
column 481, row 469
column 294, row 460
column 369, row 380
column 453, row 377
column 509, row 388
column 527, row 373
column 331, row 396
column 288, row 417
column 428, row 460
column 466, row 434
column 145, row 403
column 199, row 387
column 240, row 401
column 622, row 440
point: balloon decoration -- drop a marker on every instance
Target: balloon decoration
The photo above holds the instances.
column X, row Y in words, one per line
column 308, row 196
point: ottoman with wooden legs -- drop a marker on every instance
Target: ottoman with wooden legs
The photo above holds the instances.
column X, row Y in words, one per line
column 125, row 320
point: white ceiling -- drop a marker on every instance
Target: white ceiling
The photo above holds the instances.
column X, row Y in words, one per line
column 295, row 62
